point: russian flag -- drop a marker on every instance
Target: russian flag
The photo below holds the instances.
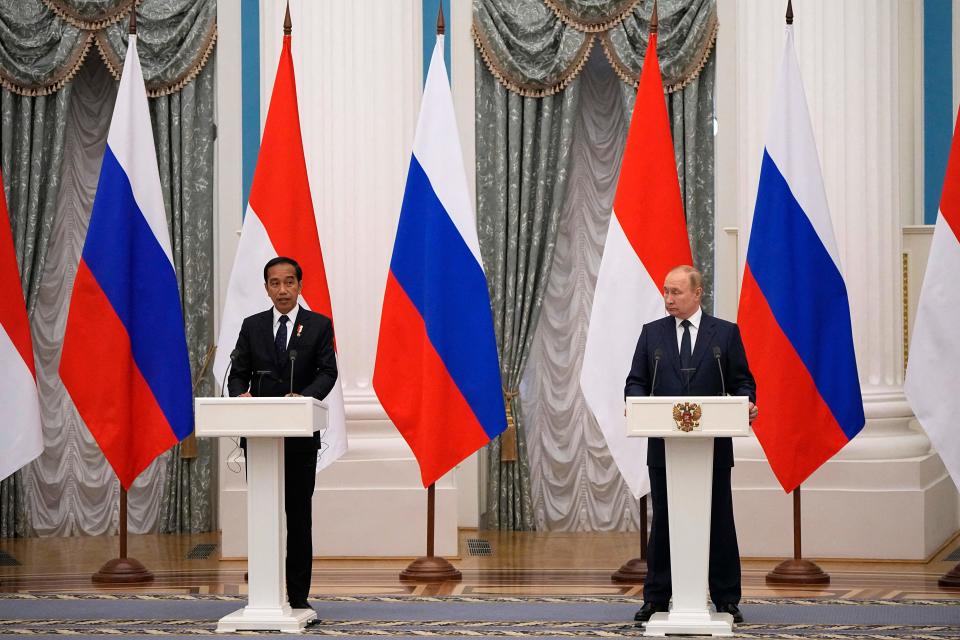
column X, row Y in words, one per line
column 647, row 237
column 21, row 433
column 794, row 312
column 124, row 360
column 437, row 372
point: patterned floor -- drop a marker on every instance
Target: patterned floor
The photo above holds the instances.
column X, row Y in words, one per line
column 518, row 585
column 135, row 616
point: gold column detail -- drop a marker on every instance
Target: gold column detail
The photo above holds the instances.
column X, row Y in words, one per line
column 508, row 439
column 905, row 285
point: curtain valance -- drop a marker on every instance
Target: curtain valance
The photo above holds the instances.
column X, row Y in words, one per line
column 44, row 42
column 536, row 47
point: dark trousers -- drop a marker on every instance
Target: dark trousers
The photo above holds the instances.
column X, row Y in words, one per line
column 300, row 477
column 724, row 570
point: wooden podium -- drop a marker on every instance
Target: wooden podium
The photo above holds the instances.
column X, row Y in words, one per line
column 264, row 422
column 688, row 426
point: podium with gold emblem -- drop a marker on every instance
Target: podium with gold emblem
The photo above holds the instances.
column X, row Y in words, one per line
column 688, row 425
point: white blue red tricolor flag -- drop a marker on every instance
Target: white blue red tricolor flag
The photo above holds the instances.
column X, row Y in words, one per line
column 934, row 364
column 20, row 429
column 280, row 221
column 794, row 312
column 124, row 360
column 647, row 237
column 437, row 372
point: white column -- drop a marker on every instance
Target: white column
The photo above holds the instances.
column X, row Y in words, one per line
column 886, row 494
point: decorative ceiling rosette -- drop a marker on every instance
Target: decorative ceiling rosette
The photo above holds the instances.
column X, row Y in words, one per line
column 44, row 42
column 536, row 47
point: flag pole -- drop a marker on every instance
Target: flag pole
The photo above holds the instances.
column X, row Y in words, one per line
column 431, row 568
column 797, row 571
column 634, row 571
column 123, row 570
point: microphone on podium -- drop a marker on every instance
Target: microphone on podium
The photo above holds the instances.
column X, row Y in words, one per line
column 293, row 360
column 223, row 383
column 716, row 356
column 657, row 354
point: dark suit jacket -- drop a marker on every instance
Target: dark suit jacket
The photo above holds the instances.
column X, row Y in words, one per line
column 705, row 381
column 315, row 367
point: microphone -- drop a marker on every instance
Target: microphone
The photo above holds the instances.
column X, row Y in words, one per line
column 292, row 354
column 657, row 354
column 260, row 375
column 716, row 356
column 223, row 383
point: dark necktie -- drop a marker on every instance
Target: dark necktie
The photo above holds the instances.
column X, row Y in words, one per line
column 280, row 342
column 686, row 352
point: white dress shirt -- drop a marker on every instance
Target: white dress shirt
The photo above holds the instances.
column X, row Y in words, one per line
column 292, row 314
column 694, row 328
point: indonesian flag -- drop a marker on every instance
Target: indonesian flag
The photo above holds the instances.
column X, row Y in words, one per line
column 280, row 221
column 934, row 365
column 21, row 435
column 647, row 237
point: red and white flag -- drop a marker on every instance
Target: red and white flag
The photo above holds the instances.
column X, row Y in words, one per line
column 647, row 237
column 280, row 222
column 21, row 435
column 934, row 364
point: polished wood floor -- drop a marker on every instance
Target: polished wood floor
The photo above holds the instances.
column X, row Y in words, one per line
column 521, row 564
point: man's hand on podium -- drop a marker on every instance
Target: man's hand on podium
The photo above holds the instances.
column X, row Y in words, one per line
column 246, row 394
column 293, row 395
column 753, row 412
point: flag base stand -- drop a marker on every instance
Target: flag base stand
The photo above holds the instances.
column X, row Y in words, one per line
column 122, row 571
column 632, row 572
column 951, row 579
column 798, row 572
column 430, row 569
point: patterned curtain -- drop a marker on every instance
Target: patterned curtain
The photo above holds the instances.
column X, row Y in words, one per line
column 31, row 154
column 51, row 143
column 523, row 149
column 183, row 127
column 532, row 53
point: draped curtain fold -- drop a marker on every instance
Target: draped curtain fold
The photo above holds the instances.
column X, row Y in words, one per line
column 43, row 43
column 522, row 158
column 183, row 128
column 51, row 144
column 536, row 47
column 530, row 53
column 31, row 154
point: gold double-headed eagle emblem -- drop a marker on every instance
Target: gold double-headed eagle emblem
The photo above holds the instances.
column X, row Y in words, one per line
column 687, row 415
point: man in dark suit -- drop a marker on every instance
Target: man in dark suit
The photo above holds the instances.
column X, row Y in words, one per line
column 692, row 348
column 264, row 367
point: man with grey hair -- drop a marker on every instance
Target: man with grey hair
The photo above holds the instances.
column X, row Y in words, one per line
column 694, row 347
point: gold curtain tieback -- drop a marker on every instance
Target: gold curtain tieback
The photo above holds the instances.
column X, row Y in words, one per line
column 508, row 439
